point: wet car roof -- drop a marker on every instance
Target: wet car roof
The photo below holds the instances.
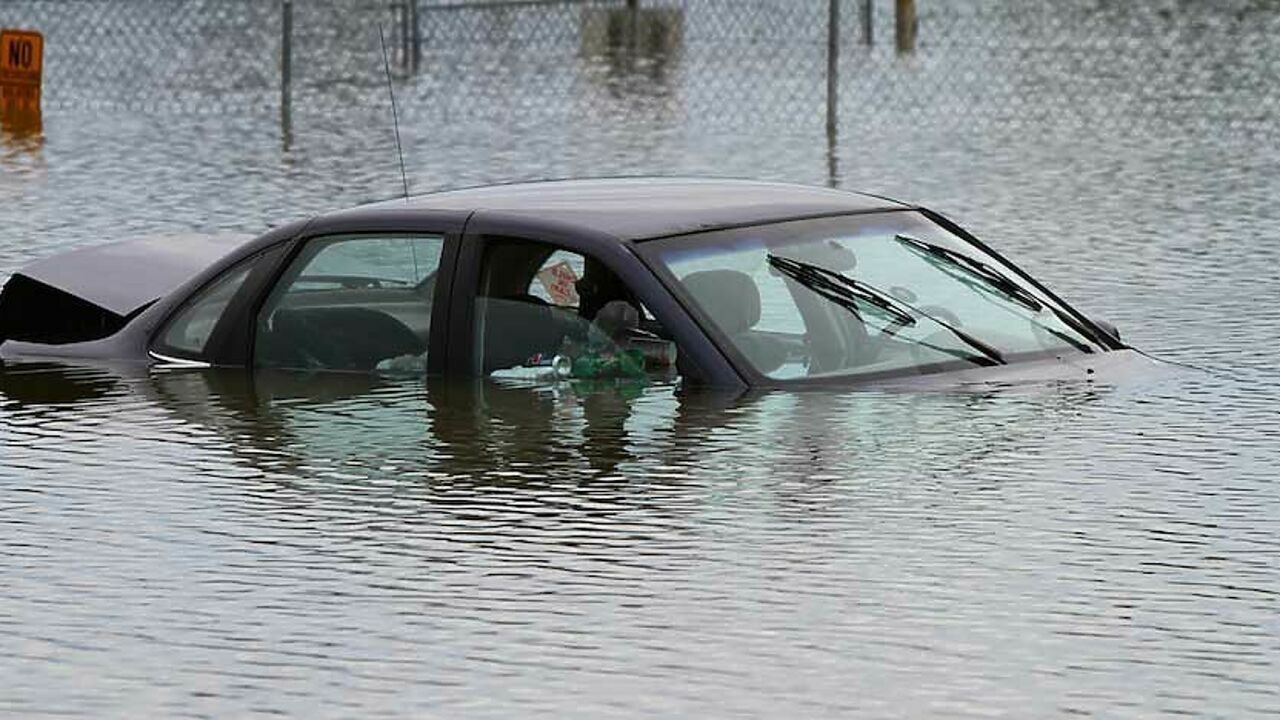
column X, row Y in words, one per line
column 646, row 208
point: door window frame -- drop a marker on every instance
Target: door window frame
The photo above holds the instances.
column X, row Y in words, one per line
column 448, row 228
column 701, row 361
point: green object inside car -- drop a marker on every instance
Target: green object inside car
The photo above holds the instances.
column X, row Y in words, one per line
column 621, row 363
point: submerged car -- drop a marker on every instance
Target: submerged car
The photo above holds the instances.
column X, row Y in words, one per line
column 716, row 282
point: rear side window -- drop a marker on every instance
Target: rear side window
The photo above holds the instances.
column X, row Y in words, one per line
column 189, row 331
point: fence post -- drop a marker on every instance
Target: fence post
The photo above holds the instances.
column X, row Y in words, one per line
column 286, row 71
column 417, row 35
column 633, row 31
column 868, row 19
column 833, row 65
column 833, row 84
column 406, row 53
column 906, row 19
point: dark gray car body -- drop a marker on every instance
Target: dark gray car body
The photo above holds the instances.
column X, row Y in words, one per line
column 126, row 292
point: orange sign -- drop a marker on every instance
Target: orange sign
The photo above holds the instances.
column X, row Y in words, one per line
column 21, row 68
column 21, row 57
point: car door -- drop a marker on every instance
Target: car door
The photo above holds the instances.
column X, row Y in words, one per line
column 362, row 296
column 524, row 294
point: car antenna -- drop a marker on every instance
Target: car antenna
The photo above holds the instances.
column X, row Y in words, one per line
column 395, row 117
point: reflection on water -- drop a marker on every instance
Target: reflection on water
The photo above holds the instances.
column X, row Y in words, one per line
column 639, row 46
column 225, row 544
column 466, row 547
column 21, row 130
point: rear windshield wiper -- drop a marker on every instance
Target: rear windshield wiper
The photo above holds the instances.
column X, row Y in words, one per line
column 992, row 277
column 845, row 291
column 996, row 280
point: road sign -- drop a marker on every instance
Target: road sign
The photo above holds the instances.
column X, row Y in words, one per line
column 21, row 69
column 21, row 57
column 21, row 64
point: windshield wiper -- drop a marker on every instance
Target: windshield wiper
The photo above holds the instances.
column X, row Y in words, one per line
column 975, row 268
column 996, row 280
column 829, row 282
column 845, row 291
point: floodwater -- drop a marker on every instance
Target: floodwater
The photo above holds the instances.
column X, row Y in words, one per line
column 188, row 544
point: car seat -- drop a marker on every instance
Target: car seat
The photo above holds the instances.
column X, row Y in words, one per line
column 338, row 338
column 516, row 328
column 732, row 301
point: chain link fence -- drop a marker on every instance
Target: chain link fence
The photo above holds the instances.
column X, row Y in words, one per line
column 683, row 63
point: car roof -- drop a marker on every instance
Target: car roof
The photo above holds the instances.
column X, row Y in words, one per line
column 641, row 208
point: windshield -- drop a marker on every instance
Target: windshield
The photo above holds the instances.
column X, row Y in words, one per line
column 867, row 295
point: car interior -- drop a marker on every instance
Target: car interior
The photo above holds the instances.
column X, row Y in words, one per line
column 733, row 298
column 352, row 306
column 340, row 308
column 534, row 299
column 831, row 338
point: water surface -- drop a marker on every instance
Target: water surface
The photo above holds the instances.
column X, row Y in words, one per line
column 217, row 544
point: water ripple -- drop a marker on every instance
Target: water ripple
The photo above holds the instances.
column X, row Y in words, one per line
column 195, row 544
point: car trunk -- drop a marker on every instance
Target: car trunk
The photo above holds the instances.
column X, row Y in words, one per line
column 90, row 294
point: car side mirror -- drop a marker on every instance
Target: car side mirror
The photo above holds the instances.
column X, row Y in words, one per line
column 1108, row 328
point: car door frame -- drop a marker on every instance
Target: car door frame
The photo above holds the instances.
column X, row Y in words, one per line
column 702, row 361
column 237, row 332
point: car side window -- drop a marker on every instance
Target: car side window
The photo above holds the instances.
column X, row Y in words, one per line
column 188, row 333
column 543, row 312
column 358, row 303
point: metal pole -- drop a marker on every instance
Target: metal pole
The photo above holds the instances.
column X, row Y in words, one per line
column 417, row 35
column 286, row 72
column 406, row 53
column 833, row 66
column 906, row 18
column 633, row 30
column 868, row 21
column 833, row 163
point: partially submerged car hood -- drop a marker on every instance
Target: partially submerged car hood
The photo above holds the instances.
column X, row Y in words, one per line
column 122, row 277
column 1110, row 367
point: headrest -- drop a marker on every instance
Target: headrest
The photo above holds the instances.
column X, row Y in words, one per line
column 616, row 319
column 730, row 297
